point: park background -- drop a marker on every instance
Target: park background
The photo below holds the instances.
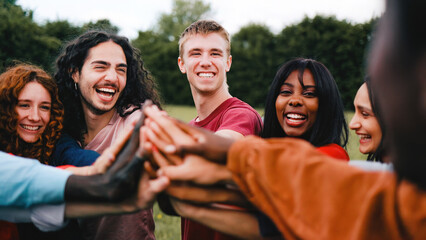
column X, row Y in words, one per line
column 257, row 50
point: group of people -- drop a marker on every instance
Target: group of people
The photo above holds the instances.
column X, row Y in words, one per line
column 99, row 122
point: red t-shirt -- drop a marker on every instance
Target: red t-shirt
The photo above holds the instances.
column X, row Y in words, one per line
column 335, row 151
column 8, row 231
column 236, row 115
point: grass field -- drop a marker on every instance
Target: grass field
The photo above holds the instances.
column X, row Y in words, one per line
column 167, row 227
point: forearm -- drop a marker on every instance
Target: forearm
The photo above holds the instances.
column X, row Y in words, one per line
column 83, row 210
column 225, row 221
column 304, row 192
column 25, row 182
column 235, row 223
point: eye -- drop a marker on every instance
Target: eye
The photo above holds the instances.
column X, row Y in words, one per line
column 310, row 93
column 99, row 67
column 216, row 54
column 123, row 70
column 285, row 92
column 23, row 105
column 45, row 107
column 365, row 114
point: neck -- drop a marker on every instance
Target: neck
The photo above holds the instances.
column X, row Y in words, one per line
column 95, row 123
column 207, row 103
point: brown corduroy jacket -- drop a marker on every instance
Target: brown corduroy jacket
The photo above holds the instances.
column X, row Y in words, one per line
column 311, row 196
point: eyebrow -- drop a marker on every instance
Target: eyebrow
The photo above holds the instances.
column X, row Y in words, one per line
column 108, row 64
column 211, row 50
column 364, row 108
column 306, row 86
column 29, row 100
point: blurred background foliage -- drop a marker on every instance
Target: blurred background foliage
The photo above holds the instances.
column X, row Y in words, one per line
column 257, row 52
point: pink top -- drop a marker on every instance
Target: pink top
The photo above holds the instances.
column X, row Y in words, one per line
column 139, row 225
column 110, row 132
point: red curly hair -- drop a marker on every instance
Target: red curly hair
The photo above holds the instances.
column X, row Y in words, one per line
column 11, row 84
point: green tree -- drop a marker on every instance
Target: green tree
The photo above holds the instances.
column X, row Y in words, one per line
column 253, row 63
column 340, row 45
column 101, row 24
column 184, row 12
column 22, row 39
column 160, row 50
column 62, row 30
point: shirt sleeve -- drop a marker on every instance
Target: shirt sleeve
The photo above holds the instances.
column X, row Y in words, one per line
column 309, row 195
column 241, row 120
column 68, row 152
column 371, row 166
column 25, row 182
column 45, row 217
column 49, row 217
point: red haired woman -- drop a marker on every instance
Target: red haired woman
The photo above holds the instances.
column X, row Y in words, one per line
column 31, row 118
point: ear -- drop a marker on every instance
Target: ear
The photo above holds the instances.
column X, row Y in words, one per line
column 228, row 63
column 181, row 65
column 75, row 76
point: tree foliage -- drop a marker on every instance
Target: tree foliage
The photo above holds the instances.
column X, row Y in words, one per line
column 22, row 39
column 159, row 49
column 257, row 52
column 184, row 12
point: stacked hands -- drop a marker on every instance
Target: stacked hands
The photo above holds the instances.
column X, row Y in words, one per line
column 161, row 154
column 193, row 159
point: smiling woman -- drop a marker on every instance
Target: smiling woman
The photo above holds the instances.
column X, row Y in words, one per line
column 31, row 113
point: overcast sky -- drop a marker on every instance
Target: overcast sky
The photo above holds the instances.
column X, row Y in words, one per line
column 133, row 15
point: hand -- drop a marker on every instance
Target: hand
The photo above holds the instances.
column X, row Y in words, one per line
column 119, row 182
column 147, row 192
column 203, row 195
column 196, row 140
column 194, row 168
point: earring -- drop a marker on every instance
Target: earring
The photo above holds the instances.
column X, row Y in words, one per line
column 75, row 85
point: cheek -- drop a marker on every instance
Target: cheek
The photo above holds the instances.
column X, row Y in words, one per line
column 46, row 118
column 20, row 114
column 280, row 107
column 376, row 132
column 312, row 106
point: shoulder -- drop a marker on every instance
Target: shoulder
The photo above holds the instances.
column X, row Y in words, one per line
column 236, row 106
column 335, row 151
column 242, row 118
column 131, row 117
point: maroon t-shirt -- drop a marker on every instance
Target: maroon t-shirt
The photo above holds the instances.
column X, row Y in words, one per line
column 236, row 115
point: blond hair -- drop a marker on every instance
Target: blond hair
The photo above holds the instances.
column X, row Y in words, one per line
column 204, row 27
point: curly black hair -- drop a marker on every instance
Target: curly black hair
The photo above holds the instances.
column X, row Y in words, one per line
column 139, row 85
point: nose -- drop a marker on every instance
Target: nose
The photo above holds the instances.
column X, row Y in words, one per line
column 295, row 101
column 111, row 75
column 205, row 60
column 34, row 115
column 354, row 123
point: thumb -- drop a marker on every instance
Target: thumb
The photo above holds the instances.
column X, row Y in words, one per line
column 177, row 173
column 159, row 184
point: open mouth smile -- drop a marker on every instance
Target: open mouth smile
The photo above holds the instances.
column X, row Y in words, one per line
column 106, row 93
column 30, row 128
column 295, row 119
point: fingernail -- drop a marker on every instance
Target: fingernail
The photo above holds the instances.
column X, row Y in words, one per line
column 170, row 149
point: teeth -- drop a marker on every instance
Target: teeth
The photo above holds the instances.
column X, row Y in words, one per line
column 364, row 136
column 107, row 90
column 205, row 74
column 295, row 116
column 32, row 128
